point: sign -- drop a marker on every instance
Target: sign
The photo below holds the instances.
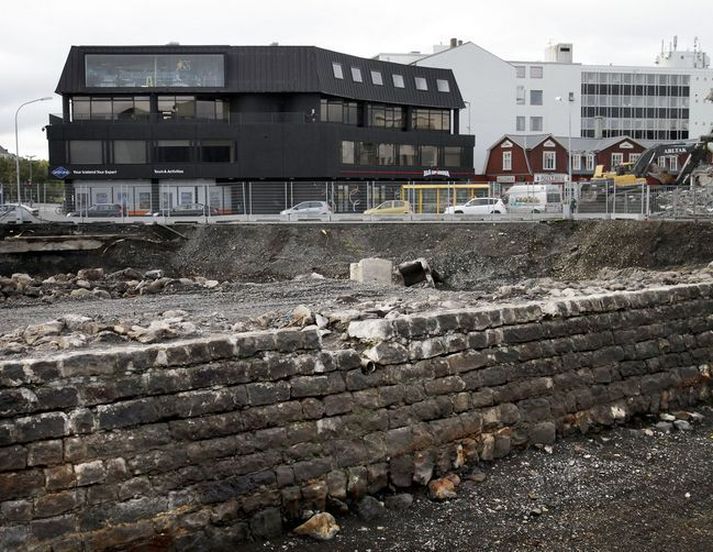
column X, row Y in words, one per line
column 168, row 171
column 626, row 145
column 546, row 178
column 505, row 179
column 95, row 172
column 436, row 172
column 60, row 172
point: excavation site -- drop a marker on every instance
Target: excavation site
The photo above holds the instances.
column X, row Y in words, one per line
column 357, row 386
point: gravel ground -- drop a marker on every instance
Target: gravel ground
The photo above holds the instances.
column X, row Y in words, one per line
column 617, row 490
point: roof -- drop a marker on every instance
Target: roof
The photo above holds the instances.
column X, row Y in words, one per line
column 281, row 69
column 579, row 144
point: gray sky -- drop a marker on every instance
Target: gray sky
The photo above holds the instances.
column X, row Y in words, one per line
column 36, row 34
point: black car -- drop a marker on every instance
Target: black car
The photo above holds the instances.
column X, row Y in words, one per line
column 101, row 210
column 190, row 210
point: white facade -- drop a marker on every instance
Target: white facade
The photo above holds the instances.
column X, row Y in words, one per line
column 486, row 83
column 513, row 97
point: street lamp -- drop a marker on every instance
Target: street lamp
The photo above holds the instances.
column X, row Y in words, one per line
column 18, row 214
column 31, row 157
column 569, row 133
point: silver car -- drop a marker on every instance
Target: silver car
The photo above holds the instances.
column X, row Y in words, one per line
column 478, row 206
column 308, row 208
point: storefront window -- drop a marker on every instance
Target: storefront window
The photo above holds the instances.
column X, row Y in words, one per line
column 216, row 151
column 429, row 156
column 85, row 152
column 129, row 152
column 407, row 155
column 347, row 152
column 172, row 151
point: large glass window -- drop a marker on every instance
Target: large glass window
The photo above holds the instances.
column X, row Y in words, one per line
column 101, row 109
column 429, row 156
column 453, row 156
column 85, row 152
column 104, row 108
column 81, row 109
column 211, row 110
column 129, row 152
column 366, row 153
column 172, row 151
column 216, row 151
column 154, row 70
column 385, row 154
column 338, row 111
column 407, row 155
column 385, row 116
column 431, row 119
column 177, row 107
column 347, row 152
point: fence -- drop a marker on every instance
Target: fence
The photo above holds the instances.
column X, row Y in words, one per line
column 210, row 202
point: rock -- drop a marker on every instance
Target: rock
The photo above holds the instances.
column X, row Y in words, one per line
column 33, row 291
column 648, row 432
column 22, row 280
column 81, row 293
column 666, row 417
column 101, row 294
column 301, row 316
column 372, row 270
column 369, row 508
column 84, row 284
column 175, row 313
column 77, row 322
column 666, row 427
column 477, row 477
column 696, row 417
column 91, row 274
column 442, row 489
column 37, row 331
column 401, row 501
column 156, row 331
column 320, row 526
column 321, row 321
column 153, row 274
column 336, row 505
column 125, row 274
column 682, row 425
column 210, row 284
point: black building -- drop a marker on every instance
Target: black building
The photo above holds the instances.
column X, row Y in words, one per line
column 156, row 126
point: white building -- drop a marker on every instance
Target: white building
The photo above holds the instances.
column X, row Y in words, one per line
column 667, row 102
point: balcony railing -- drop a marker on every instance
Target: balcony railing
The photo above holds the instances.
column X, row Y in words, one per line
column 171, row 118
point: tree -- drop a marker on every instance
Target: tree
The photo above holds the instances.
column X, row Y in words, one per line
column 40, row 175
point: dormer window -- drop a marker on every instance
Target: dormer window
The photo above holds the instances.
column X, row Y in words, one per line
column 421, row 83
column 398, row 80
column 356, row 74
column 443, row 85
column 337, row 70
column 376, row 78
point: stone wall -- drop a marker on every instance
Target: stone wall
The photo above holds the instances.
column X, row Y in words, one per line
column 201, row 443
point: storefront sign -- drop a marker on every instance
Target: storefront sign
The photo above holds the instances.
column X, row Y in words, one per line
column 60, row 172
column 168, row 171
column 546, row 178
column 505, row 179
column 436, row 172
column 95, row 172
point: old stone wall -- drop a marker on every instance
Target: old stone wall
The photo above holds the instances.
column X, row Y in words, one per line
column 201, row 443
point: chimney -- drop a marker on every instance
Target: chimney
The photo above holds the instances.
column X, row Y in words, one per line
column 454, row 42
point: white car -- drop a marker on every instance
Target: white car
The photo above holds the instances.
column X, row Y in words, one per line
column 478, row 206
column 308, row 208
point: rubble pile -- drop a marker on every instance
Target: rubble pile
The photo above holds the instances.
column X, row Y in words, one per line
column 95, row 283
column 681, row 202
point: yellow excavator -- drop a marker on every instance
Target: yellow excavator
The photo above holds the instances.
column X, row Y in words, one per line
column 646, row 167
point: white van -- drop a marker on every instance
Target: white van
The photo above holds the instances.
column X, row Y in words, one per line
column 533, row 198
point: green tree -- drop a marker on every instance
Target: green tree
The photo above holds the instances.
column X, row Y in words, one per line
column 53, row 188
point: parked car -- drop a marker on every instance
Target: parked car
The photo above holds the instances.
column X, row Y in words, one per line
column 10, row 207
column 478, row 206
column 99, row 210
column 392, row 207
column 190, row 210
column 308, row 208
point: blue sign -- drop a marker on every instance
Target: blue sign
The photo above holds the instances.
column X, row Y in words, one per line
column 60, row 172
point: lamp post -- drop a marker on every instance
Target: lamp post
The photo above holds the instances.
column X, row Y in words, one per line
column 31, row 157
column 18, row 214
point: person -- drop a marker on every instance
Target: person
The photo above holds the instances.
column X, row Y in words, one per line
column 573, row 205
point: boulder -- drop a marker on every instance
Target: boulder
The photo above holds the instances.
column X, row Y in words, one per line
column 444, row 488
column 91, row 274
column 320, row 526
column 37, row 331
column 369, row 508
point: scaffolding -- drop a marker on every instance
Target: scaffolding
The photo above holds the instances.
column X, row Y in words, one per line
column 434, row 198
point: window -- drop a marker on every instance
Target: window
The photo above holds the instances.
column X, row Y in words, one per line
column 407, row 155
column 129, row 152
column 633, row 157
column 549, row 160
column 338, row 111
column 211, row 110
column 672, row 163
column 85, row 152
column 442, row 85
column 154, row 70
column 590, row 162
column 356, row 74
column 385, row 154
column 337, row 70
column 385, row 116
column 398, row 80
column 172, row 151
column 536, row 72
column 535, row 97
column 347, row 152
column 507, row 160
column 366, row 153
column 616, row 159
column 520, row 71
column 376, row 78
column 576, row 161
column 520, row 123
column 536, row 124
column 101, row 108
column 520, row 95
column 144, row 200
column 429, row 156
column 453, row 156
column 216, row 151
column 177, row 107
column 431, row 119
column 421, row 83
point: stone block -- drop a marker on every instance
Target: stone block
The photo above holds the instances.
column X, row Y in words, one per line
column 357, row 482
column 13, row 458
column 44, row 453
column 442, row 386
column 401, row 470
column 387, row 353
column 90, row 473
column 41, row 426
column 267, row 393
column 543, row 433
column 56, row 503
column 372, row 270
column 266, row 523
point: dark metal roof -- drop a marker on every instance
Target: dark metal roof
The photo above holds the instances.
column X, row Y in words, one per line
column 283, row 69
